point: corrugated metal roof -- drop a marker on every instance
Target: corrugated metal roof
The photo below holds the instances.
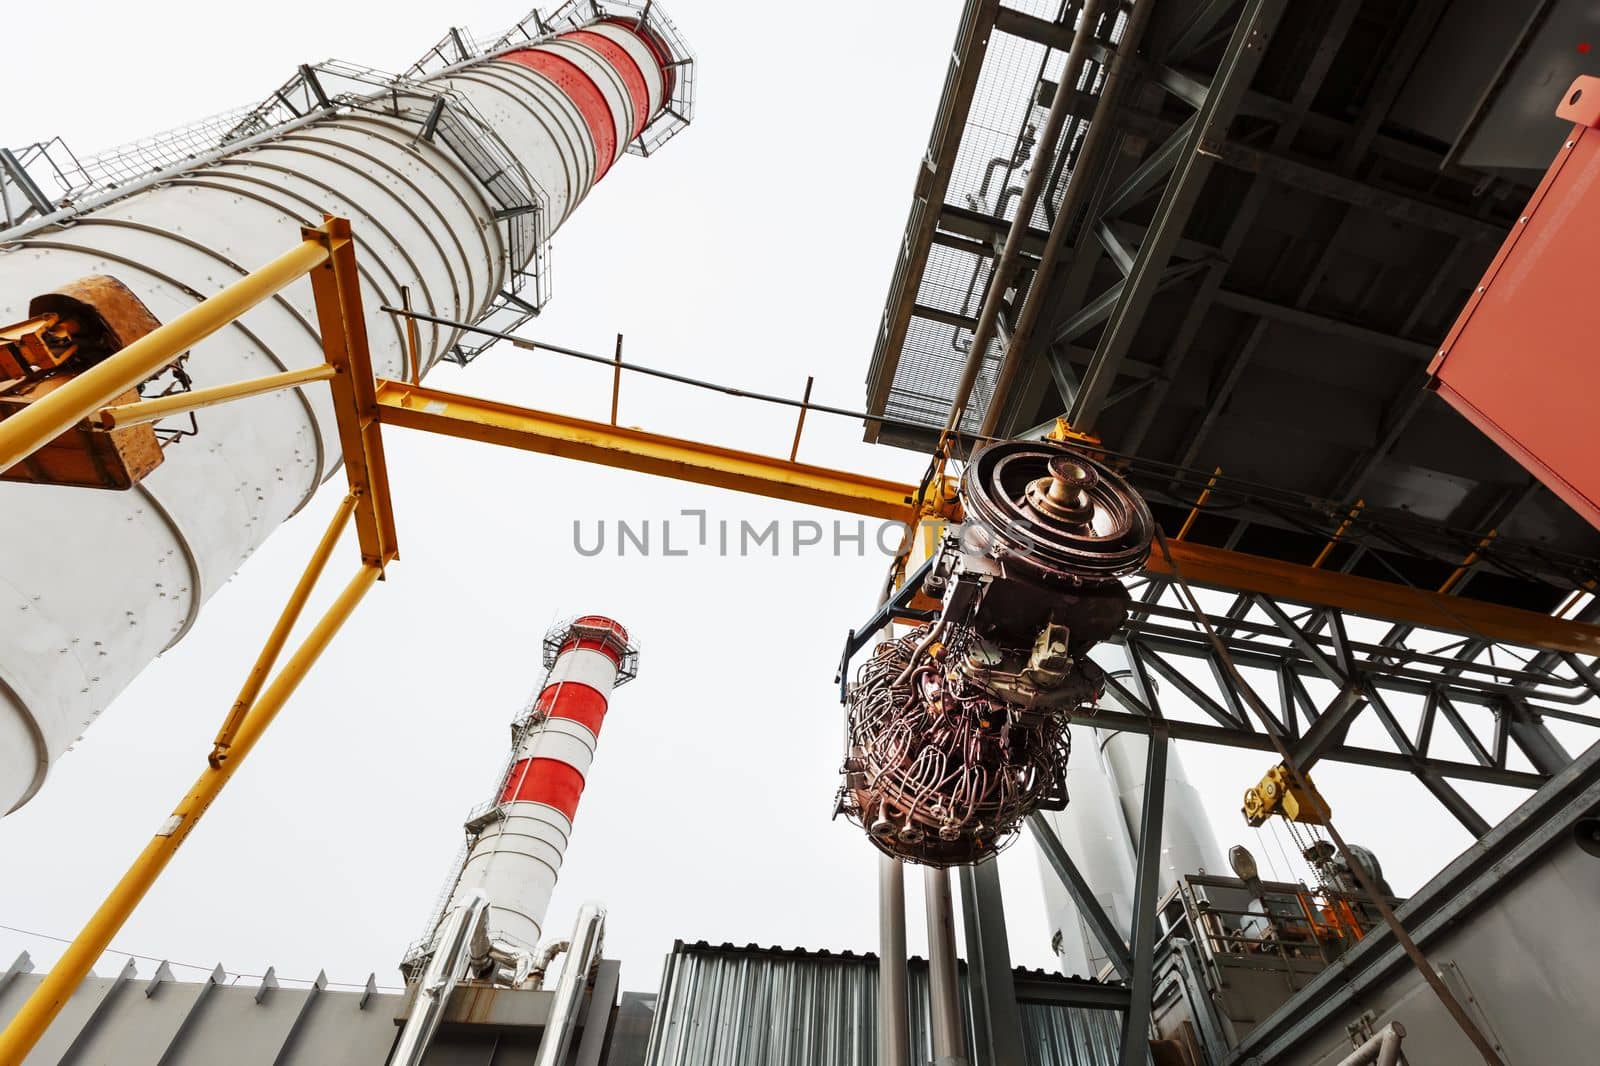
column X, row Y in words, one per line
column 752, row 1006
column 152, row 1019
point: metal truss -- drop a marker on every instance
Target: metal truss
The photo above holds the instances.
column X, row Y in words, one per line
column 1453, row 704
column 21, row 196
column 1192, row 159
column 1321, row 669
column 1448, row 698
column 1150, row 256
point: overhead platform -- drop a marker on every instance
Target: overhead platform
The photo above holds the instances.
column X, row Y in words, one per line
column 1292, row 204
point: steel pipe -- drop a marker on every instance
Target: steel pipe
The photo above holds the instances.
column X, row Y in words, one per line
column 1094, row 144
column 582, row 954
column 1381, row 1049
column 133, row 414
column 944, row 985
column 450, row 962
column 547, row 955
column 894, row 1019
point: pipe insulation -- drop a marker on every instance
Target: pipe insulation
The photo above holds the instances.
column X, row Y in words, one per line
column 461, row 943
column 588, row 935
column 94, row 585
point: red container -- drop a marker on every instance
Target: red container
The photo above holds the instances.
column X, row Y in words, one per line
column 1521, row 362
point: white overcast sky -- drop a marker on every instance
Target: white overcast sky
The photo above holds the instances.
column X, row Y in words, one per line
column 756, row 249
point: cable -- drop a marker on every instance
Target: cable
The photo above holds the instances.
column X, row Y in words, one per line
column 196, row 966
column 1266, row 853
column 667, row 375
column 1358, row 869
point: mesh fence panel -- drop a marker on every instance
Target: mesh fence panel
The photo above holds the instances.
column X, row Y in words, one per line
column 1010, row 104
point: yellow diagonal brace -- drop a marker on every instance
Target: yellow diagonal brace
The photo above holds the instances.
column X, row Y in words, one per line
column 132, row 414
column 472, row 418
column 52, row 993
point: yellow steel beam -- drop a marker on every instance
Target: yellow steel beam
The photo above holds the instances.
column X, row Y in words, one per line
column 337, row 286
column 328, row 254
column 1199, row 504
column 280, row 631
column 472, row 418
column 133, row 414
column 1205, row 565
column 47, row 418
column 1327, row 549
column 52, row 993
column 477, row 419
column 1466, row 564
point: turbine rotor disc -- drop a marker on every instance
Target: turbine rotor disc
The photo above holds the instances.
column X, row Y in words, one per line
column 1057, row 509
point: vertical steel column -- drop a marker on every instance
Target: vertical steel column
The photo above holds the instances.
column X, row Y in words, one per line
column 991, row 992
column 894, row 1016
column 894, row 982
column 1136, row 1027
column 944, row 984
column 1105, row 930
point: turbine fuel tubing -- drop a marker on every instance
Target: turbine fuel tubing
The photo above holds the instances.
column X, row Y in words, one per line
column 958, row 729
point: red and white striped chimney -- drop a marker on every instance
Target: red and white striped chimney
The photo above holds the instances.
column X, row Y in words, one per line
column 453, row 178
column 520, row 840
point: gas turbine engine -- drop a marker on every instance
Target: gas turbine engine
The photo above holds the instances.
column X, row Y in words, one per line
column 958, row 730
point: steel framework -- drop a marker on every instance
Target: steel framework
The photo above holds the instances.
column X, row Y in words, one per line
column 1333, row 645
column 1320, row 668
column 1135, row 215
column 1455, row 696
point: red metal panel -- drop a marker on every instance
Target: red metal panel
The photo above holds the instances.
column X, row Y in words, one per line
column 669, row 75
column 546, row 781
column 574, row 701
column 1521, row 361
column 627, row 70
column 591, row 102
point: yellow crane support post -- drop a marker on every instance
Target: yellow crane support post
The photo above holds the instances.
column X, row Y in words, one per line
column 328, row 254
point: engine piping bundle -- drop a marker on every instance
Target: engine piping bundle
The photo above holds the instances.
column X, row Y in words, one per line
column 958, row 729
